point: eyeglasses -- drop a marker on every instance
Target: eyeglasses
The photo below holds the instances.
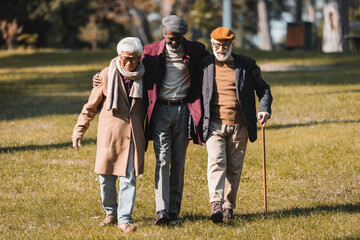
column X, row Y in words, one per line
column 174, row 38
column 129, row 59
column 225, row 46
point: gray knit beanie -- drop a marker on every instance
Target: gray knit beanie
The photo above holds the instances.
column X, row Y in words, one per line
column 174, row 24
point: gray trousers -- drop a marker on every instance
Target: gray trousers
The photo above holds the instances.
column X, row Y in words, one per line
column 170, row 137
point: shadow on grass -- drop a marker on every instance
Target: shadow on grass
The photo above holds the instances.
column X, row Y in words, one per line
column 50, row 81
column 297, row 212
column 313, row 78
column 50, row 94
column 60, row 57
column 308, row 124
column 286, row 213
column 285, row 55
column 42, row 147
column 37, row 106
column 348, row 208
column 329, row 93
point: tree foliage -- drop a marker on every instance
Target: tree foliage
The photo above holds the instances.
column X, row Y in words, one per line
column 93, row 33
column 9, row 31
column 205, row 15
column 354, row 11
column 63, row 23
column 29, row 39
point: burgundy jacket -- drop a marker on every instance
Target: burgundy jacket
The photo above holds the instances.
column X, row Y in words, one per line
column 153, row 59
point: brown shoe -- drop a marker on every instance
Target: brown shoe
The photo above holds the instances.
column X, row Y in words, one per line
column 109, row 219
column 216, row 212
column 127, row 227
column 227, row 214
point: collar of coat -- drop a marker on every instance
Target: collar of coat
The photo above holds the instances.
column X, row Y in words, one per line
column 187, row 47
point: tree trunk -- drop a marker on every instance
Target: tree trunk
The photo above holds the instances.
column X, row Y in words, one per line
column 141, row 25
column 93, row 45
column 312, row 11
column 183, row 9
column 297, row 11
column 167, row 7
column 9, row 43
column 264, row 26
column 345, row 24
column 336, row 25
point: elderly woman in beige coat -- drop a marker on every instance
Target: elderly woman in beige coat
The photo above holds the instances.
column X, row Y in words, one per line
column 120, row 151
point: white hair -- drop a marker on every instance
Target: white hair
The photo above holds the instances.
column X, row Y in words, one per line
column 217, row 41
column 130, row 44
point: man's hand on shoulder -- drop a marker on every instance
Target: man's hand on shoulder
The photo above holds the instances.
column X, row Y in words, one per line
column 96, row 80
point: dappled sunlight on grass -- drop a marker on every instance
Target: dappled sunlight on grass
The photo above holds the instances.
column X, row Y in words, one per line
column 51, row 69
column 50, row 191
column 299, row 57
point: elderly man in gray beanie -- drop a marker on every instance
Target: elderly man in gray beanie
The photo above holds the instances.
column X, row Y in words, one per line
column 174, row 89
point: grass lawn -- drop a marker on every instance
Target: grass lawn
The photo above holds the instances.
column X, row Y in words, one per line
column 49, row 191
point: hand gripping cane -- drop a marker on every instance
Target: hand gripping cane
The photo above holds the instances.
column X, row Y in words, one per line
column 264, row 168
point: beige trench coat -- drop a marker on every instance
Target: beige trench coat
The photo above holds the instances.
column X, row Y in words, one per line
column 114, row 129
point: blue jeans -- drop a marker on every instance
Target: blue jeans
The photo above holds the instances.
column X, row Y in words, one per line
column 170, row 137
column 123, row 209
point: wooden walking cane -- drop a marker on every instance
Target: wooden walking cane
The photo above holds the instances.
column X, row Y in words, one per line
column 264, row 168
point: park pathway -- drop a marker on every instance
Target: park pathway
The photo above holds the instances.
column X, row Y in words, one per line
column 282, row 67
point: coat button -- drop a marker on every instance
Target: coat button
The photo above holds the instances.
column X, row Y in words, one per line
column 150, row 101
column 127, row 137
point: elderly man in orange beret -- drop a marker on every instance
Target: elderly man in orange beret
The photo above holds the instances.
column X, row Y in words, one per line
column 228, row 90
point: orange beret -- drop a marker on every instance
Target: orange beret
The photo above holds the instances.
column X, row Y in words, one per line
column 222, row 33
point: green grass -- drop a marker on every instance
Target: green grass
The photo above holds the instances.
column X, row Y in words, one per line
column 49, row 191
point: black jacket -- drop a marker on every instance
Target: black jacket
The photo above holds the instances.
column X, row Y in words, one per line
column 246, row 83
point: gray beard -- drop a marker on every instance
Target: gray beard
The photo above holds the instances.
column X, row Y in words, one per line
column 170, row 48
column 220, row 58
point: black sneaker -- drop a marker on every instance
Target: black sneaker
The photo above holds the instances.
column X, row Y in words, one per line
column 174, row 219
column 227, row 214
column 216, row 212
column 162, row 218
